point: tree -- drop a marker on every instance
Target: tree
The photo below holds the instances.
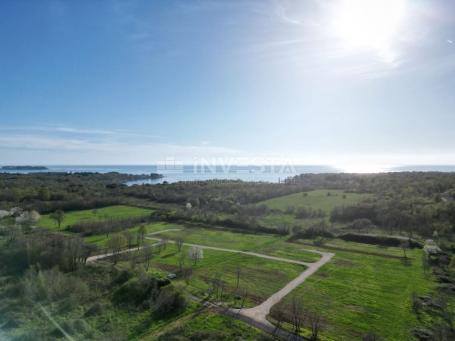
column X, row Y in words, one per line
column 404, row 246
column 315, row 322
column 187, row 274
column 147, row 252
column 237, row 274
column 129, row 238
column 44, row 194
column 163, row 243
column 297, row 315
column 115, row 245
column 179, row 243
column 195, row 254
column 76, row 252
column 279, row 316
column 58, row 216
column 141, row 234
column 181, row 261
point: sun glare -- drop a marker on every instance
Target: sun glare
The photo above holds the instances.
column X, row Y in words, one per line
column 372, row 25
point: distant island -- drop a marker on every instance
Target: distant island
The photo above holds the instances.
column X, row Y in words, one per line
column 24, row 168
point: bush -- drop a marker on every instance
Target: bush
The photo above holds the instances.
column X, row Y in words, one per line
column 378, row 240
column 139, row 291
column 169, row 301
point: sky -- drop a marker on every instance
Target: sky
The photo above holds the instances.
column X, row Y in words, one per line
column 350, row 83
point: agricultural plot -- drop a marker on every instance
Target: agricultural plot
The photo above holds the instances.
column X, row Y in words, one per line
column 261, row 243
column 325, row 200
column 101, row 239
column 356, row 294
column 111, row 212
column 237, row 275
column 208, row 325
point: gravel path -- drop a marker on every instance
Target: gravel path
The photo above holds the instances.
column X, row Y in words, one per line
column 260, row 312
column 256, row 316
column 254, row 254
column 110, row 254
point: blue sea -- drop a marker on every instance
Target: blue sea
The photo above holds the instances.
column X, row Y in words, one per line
column 175, row 173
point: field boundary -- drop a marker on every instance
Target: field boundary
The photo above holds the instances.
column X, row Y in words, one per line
column 339, row 248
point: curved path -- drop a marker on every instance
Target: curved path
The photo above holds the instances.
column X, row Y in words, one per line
column 256, row 316
column 110, row 254
column 259, row 313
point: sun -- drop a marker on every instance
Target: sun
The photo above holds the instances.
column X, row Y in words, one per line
column 369, row 25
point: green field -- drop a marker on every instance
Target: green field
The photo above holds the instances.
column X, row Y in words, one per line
column 101, row 239
column 208, row 325
column 315, row 200
column 111, row 212
column 341, row 245
column 262, row 243
column 259, row 277
column 356, row 294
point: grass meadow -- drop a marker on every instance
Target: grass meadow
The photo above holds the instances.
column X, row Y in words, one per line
column 111, row 212
column 358, row 294
column 325, row 200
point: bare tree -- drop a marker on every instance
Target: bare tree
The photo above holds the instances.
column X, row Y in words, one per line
column 187, row 274
column 58, row 216
column 163, row 243
column 141, row 231
column 279, row 316
column 195, row 254
column 404, row 246
column 237, row 274
column 425, row 263
column 315, row 321
column 244, row 296
column 115, row 244
column 181, row 261
column 147, row 252
column 75, row 252
column 129, row 238
column 179, row 243
column 297, row 315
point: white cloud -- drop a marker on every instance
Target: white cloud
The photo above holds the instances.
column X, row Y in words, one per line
column 32, row 148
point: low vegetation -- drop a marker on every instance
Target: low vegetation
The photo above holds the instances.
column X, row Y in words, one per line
column 382, row 284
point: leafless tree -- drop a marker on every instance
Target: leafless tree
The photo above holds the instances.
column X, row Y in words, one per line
column 187, row 274
column 147, row 253
column 163, row 243
column 315, row 322
column 425, row 262
column 195, row 254
column 141, row 234
column 129, row 238
column 404, row 246
column 115, row 244
column 181, row 261
column 237, row 273
column 279, row 316
column 75, row 252
column 244, row 297
column 179, row 243
column 297, row 315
